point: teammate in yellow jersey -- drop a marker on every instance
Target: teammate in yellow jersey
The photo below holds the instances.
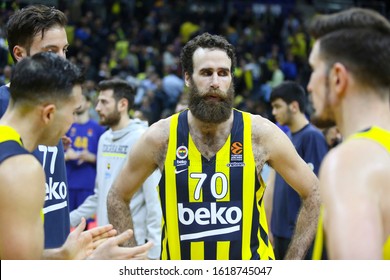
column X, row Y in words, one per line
column 350, row 86
column 211, row 157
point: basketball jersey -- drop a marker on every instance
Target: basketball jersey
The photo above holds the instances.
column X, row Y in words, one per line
column 56, row 209
column 11, row 145
column 212, row 209
column 382, row 137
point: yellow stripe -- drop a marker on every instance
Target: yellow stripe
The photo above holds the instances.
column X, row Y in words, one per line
column 172, row 228
column 386, row 250
column 222, row 157
column 265, row 251
column 248, row 189
column 8, row 133
column 376, row 134
column 319, row 240
column 196, row 248
column 164, row 254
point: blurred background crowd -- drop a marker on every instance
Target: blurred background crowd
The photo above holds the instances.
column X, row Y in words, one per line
column 140, row 41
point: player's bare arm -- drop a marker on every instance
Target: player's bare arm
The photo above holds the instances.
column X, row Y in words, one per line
column 273, row 146
column 147, row 155
column 21, row 233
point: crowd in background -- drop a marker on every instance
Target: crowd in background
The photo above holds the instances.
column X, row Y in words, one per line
column 140, row 41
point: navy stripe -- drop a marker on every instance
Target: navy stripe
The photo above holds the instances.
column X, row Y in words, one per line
column 256, row 224
column 162, row 192
column 182, row 192
column 208, row 167
column 11, row 148
column 236, row 180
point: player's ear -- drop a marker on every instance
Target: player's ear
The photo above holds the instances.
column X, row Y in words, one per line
column 122, row 104
column 294, row 106
column 47, row 113
column 339, row 78
column 19, row 52
column 187, row 79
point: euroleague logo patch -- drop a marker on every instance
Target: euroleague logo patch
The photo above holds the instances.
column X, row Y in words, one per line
column 182, row 152
column 236, row 154
column 236, row 148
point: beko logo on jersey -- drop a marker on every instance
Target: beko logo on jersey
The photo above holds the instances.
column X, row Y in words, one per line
column 209, row 219
column 55, row 190
column 181, row 162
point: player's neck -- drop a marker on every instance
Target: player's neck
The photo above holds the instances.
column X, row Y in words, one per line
column 29, row 131
column 209, row 138
column 362, row 115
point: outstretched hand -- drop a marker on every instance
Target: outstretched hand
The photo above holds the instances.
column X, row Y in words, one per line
column 110, row 249
column 80, row 244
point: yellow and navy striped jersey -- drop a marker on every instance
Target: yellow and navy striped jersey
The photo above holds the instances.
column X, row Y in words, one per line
column 382, row 137
column 11, row 145
column 212, row 209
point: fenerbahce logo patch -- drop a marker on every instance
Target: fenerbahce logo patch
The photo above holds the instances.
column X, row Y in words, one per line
column 236, row 155
column 181, row 155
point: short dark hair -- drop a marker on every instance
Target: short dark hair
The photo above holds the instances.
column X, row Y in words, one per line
column 43, row 76
column 359, row 39
column 290, row 91
column 121, row 89
column 206, row 41
column 28, row 22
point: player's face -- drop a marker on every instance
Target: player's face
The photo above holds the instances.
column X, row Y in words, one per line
column 281, row 111
column 319, row 89
column 64, row 116
column 54, row 40
column 211, row 86
column 107, row 109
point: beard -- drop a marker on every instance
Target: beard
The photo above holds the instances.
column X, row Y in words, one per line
column 321, row 122
column 205, row 108
column 111, row 119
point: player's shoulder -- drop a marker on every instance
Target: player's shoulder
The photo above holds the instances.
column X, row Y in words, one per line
column 260, row 123
column 161, row 127
column 354, row 157
column 21, row 168
column 264, row 130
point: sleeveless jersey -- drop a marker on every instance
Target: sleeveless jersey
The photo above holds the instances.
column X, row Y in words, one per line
column 11, row 145
column 382, row 137
column 56, row 209
column 212, row 209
